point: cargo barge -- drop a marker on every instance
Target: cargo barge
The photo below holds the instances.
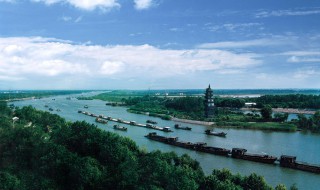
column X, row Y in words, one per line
column 211, row 132
column 240, row 153
column 290, row 162
column 201, row 147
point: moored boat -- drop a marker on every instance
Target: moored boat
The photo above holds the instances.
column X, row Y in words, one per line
column 240, row 153
column 219, row 134
column 117, row 127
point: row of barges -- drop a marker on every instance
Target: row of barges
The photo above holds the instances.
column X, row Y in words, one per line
column 238, row 153
column 101, row 118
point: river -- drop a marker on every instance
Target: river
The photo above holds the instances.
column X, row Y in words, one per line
column 304, row 145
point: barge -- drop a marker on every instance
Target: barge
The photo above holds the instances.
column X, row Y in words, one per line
column 211, row 132
column 117, row 127
column 200, row 146
column 290, row 162
column 98, row 120
column 177, row 126
column 240, row 153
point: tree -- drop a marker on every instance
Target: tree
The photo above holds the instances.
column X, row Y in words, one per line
column 266, row 112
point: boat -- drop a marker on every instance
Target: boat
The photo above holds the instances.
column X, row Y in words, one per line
column 79, row 111
column 152, row 122
column 177, row 126
column 58, row 110
column 167, row 129
column 219, row 134
column 86, row 106
column 46, row 106
column 98, row 120
column 200, row 146
column 50, row 109
column 240, row 153
column 290, row 162
column 117, row 127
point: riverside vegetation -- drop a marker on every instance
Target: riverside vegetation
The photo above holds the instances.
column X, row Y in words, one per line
column 43, row 151
column 226, row 112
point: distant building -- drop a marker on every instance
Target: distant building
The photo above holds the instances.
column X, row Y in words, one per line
column 208, row 103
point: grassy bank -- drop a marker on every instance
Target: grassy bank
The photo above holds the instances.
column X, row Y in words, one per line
column 272, row 126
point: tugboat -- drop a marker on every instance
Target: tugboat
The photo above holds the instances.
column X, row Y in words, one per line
column 177, row 126
column 219, row 134
column 117, row 127
column 152, row 122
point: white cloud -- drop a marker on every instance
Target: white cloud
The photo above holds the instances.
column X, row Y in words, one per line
column 143, row 4
column 296, row 12
column 239, row 44
column 89, row 5
column 231, row 27
column 305, row 73
column 302, row 56
column 40, row 58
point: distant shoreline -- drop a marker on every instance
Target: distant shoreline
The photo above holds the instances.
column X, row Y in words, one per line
column 284, row 110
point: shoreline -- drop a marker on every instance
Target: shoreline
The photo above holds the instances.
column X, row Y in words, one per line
column 283, row 110
column 205, row 123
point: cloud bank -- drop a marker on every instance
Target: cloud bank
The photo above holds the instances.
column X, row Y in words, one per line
column 25, row 58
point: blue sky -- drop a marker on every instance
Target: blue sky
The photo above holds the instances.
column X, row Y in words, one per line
column 159, row 44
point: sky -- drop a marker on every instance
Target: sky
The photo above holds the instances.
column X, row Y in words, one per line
column 159, row 44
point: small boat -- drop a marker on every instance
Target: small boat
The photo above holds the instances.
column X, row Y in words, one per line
column 219, row 134
column 166, row 129
column 79, row 111
column 58, row 110
column 152, row 122
column 177, row 126
column 117, row 127
column 86, row 106
column 50, row 109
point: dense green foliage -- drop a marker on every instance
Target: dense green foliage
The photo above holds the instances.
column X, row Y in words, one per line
column 266, row 112
column 80, row 156
column 289, row 101
column 311, row 123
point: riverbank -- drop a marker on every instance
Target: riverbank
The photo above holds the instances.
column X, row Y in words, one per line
column 283, row 110
column 192, row 121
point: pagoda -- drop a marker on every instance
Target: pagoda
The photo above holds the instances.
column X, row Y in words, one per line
column 208, row 103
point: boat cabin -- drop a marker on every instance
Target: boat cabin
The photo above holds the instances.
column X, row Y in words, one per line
column 152, row 134
column 172, row 139
column 238, row 151
column 132, row 122
column 287, row 160
column 167, row 129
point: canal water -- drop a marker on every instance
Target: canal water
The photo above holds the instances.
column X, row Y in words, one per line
column 304, row 145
